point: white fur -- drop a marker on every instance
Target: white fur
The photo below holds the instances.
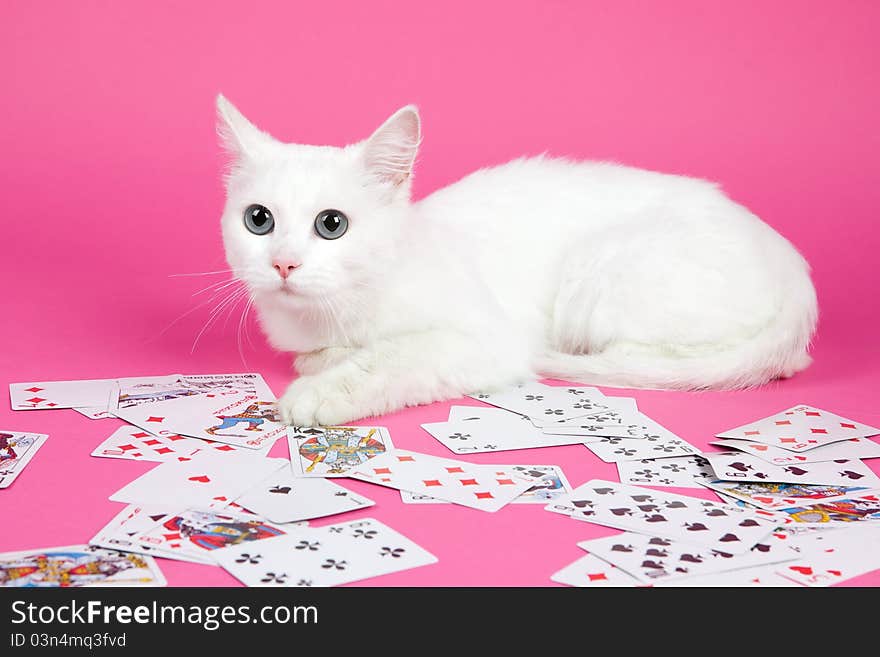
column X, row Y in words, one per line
column 585, row 271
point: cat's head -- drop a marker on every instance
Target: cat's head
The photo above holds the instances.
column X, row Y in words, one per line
column 303, row 224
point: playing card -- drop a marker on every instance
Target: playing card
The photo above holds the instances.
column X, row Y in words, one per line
column 483, row 487
column 655, row 441
column 660, row 513
column 738, row 466
column 284, row 498
column 197, row 483
column 550, row 483
column 589, row 571
column 135, row 444
column 652, row 558
column 94, row 412
column 491, row 430
column 779, row 496
column 622, row 418
column 135, row 391
column 800, row 428
column 60, row 394
column 833, row 557
column 195, row 533
column 17, row 448
column 678, row 471
column 324, row 556
column 333, row 451
column 238, row 419
column 545, row 405
column 78, row 565
column 757, row 576
column 853, row 448
column 847, row 510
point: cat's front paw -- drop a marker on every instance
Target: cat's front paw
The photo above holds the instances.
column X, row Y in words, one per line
column 312, row 401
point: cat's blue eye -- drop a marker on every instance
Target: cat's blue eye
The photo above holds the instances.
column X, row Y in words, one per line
column 331, row 224
column 258, row 219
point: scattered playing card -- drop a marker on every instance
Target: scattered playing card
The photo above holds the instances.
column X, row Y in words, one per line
column 135, row 391
column 652, row 558
column 546, row 405
column 678, row 471
column 284, row 498
column 655, row 441
column 197, row 483
column 324, row 556
column 779, row 496
column 756, row 576
column 828, row 558
column 800, row 428
column 589, row 571
column 78, row 565
column 853, row 448
column 660, row 513
column 550, row 483
column 333, row 451
column 851, row 509
column 738, row 466
column 94, row 412
column 484, row 487
column 16, row 451
column 60, row 394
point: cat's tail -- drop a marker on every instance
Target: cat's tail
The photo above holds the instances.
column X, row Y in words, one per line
column 778, row 350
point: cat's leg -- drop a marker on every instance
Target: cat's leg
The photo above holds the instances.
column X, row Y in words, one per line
column 312, row 362
column 406, row 370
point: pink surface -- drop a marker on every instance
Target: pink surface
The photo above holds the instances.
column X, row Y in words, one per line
column 109, row 166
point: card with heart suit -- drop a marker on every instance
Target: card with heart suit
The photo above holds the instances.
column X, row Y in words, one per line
column 550, row 483
column 135, row 444
column 60, row 394
column 655, row 441
column 738, row 466
column 17, row 448
column 756, row 576
column 94, row 412
column 660, row 513
column 830, row 557
column 199, row 482
column 772, row 496
column 134, row 391
column 491, row 430
column 800, row 428
column 237, row 419
column 78, row 565
column 651, row 558
column 591, row 571
column 324, row 556
column 675, row 472
column 846, row 510
column 283, row 498
column 195, row 533
column 484, row 487
column 546, row 405
column 853, row 448
column 333, row 451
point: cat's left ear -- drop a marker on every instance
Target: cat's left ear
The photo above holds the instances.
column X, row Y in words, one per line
column 240, row 137
column 390, row 152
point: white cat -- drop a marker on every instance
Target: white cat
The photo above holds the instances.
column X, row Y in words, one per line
column 586, row 271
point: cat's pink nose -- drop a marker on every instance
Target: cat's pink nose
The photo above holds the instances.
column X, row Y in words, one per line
column 284, row 268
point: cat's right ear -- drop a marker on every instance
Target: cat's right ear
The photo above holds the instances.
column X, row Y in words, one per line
column 239, row 137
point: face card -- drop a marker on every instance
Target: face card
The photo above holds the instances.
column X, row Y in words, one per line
column 780, row 496
column 78, row 565
column 852, row 509
column 17, row 448
column 591, row 571
column 483, row 487
column 491, row 430
column 656, row 441
column 737, row 466
column 333, row 451
column 545, row 405
column 283, row 498
column 550, row 484
column 800, row 428
column 237, row 419
column 59, row 394
column 324, row 556
column 853, row 448
column 828, row 558
column 198, row 482
column 659, row 513
column 651, row 558
column 678, row 471
column 135, row 391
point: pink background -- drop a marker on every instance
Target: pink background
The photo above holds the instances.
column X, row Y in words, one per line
column 109, row 166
